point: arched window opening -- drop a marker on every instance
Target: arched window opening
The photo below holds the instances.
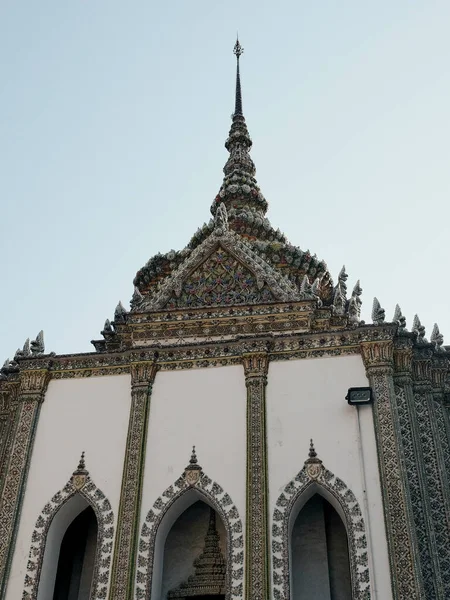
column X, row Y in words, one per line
column 77, row 558
column 194, row 563
column 320, row 566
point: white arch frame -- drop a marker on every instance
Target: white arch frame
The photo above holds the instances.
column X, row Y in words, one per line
column 315, row 478
column 167, row 508
column 78, row 493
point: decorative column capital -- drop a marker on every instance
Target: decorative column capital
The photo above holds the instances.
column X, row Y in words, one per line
column 422, row 368
column 256, row 365
column 143, row 373
column 33, row 385
column 439, row 370
column 403, row 357
column 378, row 356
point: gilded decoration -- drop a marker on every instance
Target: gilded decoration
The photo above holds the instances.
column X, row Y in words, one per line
column 222, row 503
column 315, row 474
column 82, row 484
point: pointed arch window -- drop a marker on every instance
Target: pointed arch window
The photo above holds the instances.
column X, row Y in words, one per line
column 71, row 545
column 319, row 558
column 76, row 559
column 319, row 544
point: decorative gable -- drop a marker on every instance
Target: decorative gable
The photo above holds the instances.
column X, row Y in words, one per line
column 220, row 280
column 223, row 270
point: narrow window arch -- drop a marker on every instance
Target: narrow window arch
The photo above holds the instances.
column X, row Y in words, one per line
column 319, row 557
column 193, row 492
column 71, row 544
column 75, row 569
column 334, row 507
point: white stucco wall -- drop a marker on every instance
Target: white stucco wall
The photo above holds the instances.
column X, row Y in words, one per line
column 306, row 399
column 201, row 407
column 78, row 414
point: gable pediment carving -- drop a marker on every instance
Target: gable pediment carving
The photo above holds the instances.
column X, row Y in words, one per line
column 222, row 271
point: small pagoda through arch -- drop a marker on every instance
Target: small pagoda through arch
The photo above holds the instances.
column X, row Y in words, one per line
column 208, row 580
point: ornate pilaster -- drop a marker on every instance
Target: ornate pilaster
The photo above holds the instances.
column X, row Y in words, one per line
column 402, row 544
column 256, row 547
column 414, row 465
column 439, row 369
column 33, row 385
column 434, row 466
column 142, row 378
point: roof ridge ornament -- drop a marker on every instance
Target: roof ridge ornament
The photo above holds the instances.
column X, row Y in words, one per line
column 37, row 346
column 378, row 313
column 437, row 338
column 120, row 313
column 221, row 220
column 419, row 329
column 399, row 318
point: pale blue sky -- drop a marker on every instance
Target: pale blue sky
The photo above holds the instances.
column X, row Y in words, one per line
column 113, row 117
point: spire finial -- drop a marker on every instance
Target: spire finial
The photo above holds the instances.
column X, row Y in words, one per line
column 238, row 51
column 82, row 463
column 312, row 451
column 193, row 460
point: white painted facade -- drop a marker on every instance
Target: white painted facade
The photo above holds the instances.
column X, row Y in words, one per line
column 77, row 415
column 207, row 408
column 306, row 399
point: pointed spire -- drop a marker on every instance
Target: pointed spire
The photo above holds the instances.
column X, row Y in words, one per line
column 238, row 51
column 239, row 189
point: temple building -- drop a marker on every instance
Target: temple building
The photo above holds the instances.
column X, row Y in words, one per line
column 239, row 433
